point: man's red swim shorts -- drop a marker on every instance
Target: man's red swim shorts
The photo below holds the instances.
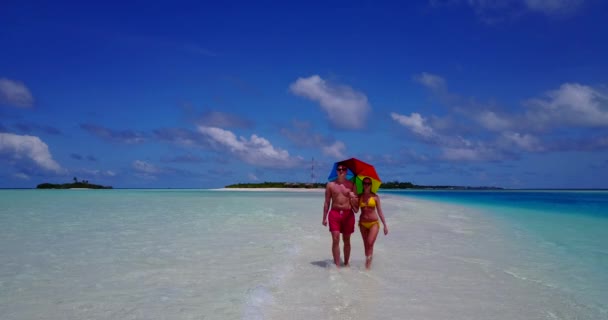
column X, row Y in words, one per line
column 342, row 221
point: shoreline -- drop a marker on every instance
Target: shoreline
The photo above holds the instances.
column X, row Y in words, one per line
column 270, row 189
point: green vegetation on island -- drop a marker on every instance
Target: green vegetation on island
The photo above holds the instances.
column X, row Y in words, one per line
column 84, row 184
column 385, row 185
column 277, row 185
column 409, row 185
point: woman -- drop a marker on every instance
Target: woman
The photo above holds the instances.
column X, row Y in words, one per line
column 369, row 203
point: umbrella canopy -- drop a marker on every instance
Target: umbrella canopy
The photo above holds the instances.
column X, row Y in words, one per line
column 357, row 171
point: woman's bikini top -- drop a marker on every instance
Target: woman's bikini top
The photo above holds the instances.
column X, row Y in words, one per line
column 371, row 203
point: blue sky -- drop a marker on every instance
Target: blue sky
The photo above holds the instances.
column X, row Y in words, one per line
column 509, row 93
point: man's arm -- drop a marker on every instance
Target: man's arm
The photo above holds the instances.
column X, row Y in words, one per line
column 326, row 204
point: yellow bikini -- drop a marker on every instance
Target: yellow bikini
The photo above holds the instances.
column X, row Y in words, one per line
column 371, row 203
column 368, row 225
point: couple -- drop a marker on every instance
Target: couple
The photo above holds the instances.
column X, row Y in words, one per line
column 341, row 198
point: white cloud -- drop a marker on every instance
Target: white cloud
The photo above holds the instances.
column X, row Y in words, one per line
column 253, row 177
column 255, row 150
column 478, row 152
column 570, row 107
column 21, row 176
column 418, row 125
column 547, row 7
column 29, row 148
column 453, row 147
column 459, row 154
column 98, row 173
column 223, row 120
column 458, row 148
column 124, row 136
column 15, row 93
column 495, row 11
column 225, row 138
column 415, row 122
column 571, row 104
column 523, row 141
column 336, row 150
column 431, row 81
column 145, row 167
column 552, row 7
column 345, row 107
column 491, row 121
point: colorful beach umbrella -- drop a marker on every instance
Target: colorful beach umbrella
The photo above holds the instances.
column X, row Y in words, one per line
column 357, row 171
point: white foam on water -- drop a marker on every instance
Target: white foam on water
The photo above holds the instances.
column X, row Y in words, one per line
column 257, row 299
column 261, row 297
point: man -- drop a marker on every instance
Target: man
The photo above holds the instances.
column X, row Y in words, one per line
column 340, row 196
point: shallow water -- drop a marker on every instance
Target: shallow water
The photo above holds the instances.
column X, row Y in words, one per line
column 200, row 254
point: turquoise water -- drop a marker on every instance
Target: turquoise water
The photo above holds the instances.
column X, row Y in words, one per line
column 567, row 228
column 137, row 254
column 205, row 254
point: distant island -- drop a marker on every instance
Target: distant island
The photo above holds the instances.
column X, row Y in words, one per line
column 84, row 184
column 385, row 185
column 277, row 185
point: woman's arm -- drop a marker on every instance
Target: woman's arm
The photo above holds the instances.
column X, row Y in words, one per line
column 354, row 199
column 354, row 203
column 381, row 214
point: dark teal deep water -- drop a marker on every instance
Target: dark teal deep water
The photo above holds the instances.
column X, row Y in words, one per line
column 588, row 202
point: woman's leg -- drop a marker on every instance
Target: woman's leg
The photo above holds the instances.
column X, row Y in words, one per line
column 372, row 234
column 364, row 232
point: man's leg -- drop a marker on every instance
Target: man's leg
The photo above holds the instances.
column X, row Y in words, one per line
column 335, row 247
column 346, row 239
column 348, row 227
